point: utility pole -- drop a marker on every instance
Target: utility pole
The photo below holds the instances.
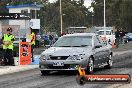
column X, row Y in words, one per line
column 61, row 17
column 104, row 19
column 92, row 19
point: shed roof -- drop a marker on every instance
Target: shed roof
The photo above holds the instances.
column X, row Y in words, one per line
column 24, row 5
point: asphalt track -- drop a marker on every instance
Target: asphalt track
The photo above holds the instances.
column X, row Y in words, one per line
column 33, row 78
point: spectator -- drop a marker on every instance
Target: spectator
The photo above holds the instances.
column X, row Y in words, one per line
column 122, row 34
column 38, row 38
column 8, row 40
column 117, row 36
column 50, row 39
column 55, row 37
column 33, row 39
column 46, row 39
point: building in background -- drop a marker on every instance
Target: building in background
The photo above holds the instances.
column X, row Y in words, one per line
column 71, row 30
column 33, row 22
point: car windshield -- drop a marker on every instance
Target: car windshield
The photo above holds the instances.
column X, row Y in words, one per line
column 74, row 41
column 108, row 33
column 102, row 33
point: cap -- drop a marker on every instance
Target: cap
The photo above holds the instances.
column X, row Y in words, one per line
column 9, row 29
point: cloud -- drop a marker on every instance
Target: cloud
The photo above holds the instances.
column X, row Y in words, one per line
column 87, row 3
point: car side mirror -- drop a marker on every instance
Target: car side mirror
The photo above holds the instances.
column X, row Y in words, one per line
column 98, row 46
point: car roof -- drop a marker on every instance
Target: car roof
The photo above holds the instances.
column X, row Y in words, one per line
column 104, row 30
column 129, row 33
column 81, row 34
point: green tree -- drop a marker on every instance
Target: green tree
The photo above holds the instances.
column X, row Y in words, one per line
column 117, row 13
column 74, row 13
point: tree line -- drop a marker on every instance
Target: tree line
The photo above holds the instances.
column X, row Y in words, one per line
column 118, row 13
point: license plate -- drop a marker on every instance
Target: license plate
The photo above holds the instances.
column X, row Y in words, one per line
column 58, row 63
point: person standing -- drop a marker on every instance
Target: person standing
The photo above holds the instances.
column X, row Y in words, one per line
column 55, row 38
column 33, row 39
column 50, row 39
column 122, row 34
column 38, row 38
column 117, row 36
column 8, row 39
column 46, row 39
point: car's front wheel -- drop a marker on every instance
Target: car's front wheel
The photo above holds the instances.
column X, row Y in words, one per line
column 45, row 72
column 90, row 66
column 109, row 62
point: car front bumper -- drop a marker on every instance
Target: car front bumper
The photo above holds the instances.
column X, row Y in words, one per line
column 69, row 66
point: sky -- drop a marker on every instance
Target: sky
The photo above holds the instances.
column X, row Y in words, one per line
column 87, row 3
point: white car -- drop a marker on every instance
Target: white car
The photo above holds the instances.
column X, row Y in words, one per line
column 110, row 37
column 73, row 50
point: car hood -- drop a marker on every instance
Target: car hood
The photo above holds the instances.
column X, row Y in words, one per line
column 66, row 51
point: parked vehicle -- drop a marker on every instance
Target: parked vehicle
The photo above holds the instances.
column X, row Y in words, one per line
column 110, row 37
column 129, row 36
column 72, row 50
column 125, row 39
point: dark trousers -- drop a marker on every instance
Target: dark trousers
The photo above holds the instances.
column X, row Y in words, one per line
column 37, row 43
column 117, row 42
column 32, row 47
column 8, row 57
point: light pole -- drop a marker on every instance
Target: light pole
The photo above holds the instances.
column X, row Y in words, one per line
column 104, row 19
column 60, row 16
column 92, row 19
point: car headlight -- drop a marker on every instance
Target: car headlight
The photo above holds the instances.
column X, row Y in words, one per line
column 42, row 57
column 75, row 57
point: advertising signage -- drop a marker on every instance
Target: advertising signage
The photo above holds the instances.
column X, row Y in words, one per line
column 14, row 16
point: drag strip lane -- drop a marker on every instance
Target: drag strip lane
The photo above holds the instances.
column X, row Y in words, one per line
column 32, row 79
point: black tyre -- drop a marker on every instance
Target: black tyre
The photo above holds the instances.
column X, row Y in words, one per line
column 109, row 62
column 90, row 66
column 45, row 72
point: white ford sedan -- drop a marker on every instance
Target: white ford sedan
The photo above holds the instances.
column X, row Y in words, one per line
column 73, row 50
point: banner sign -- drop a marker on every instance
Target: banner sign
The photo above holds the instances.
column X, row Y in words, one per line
column 25, row 53
column 82, row 78
column 14, row 16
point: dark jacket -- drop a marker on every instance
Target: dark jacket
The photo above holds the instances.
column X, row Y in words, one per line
column 122, row 33
column 117, row 34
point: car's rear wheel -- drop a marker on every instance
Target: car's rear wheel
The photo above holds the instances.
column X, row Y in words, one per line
column 109, row 62
column 90, row 66
column 45, row 72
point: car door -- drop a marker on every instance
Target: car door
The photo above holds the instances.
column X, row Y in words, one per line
column 98, row 51
column 105, row 50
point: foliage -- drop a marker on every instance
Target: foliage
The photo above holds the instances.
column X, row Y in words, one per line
column 74, row 13
column 118, row 13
